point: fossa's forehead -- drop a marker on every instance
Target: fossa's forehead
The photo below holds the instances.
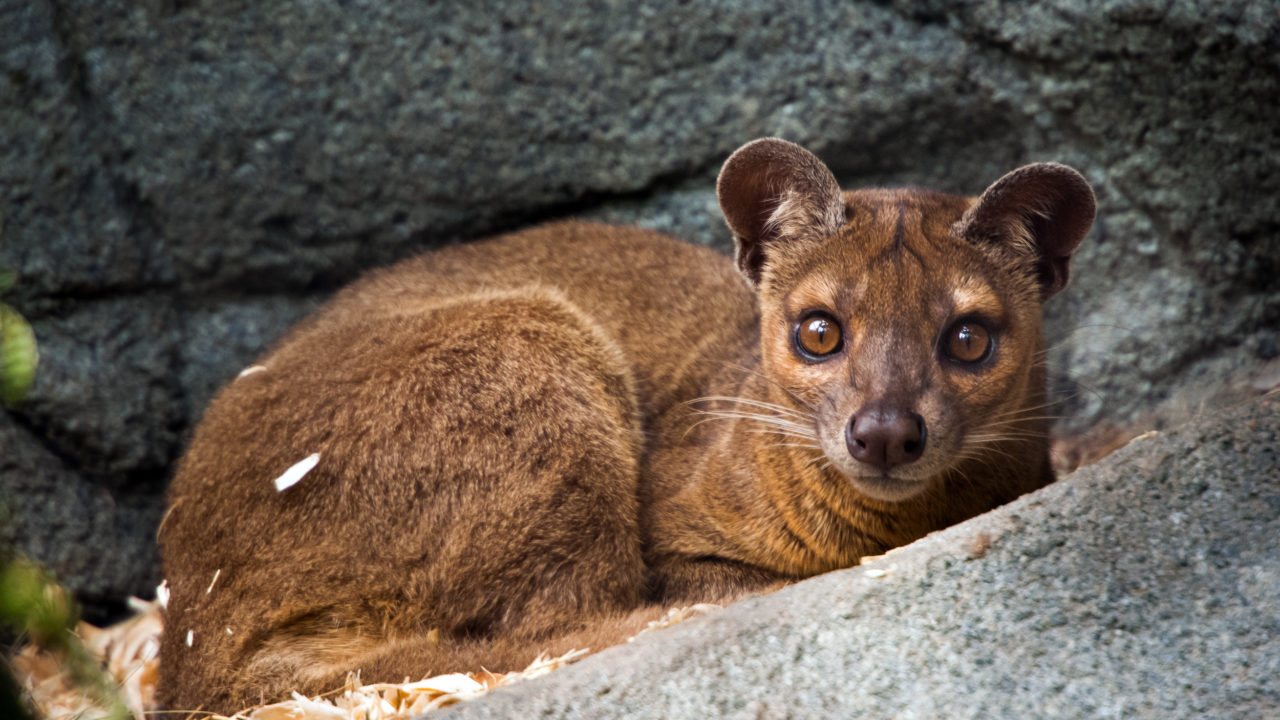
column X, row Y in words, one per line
column 890, row 222
column 898, row 249
column 886, row 205
column 951, row 288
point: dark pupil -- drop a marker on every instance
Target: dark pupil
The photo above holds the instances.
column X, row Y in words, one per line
column 819, row 329
column 970, row 343
column 818, row 333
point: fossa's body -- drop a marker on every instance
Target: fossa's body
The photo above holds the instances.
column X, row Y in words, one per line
column 530, row 442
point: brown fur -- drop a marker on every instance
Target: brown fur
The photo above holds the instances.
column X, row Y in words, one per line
column 541, row 441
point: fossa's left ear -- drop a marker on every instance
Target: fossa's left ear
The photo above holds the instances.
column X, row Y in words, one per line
column 771, row 190
column 1042, row 210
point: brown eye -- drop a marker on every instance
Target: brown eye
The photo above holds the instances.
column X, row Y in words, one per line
column 818, row 335
column 968, row 342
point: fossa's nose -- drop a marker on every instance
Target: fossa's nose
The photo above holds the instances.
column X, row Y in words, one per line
column 885, row 436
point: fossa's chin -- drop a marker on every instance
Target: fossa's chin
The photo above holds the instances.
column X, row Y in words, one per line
column 888, row 487
column 894, row 485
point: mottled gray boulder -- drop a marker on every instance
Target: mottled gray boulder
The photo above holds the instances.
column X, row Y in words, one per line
column 1146, row 586
column 92, row 533
column 181, row 181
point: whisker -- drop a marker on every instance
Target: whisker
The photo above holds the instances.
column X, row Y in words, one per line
column 744, row 414
column 783, row 434
column 1059, row 344
column 1011, row 425
column 776, row 419
column 804, row 446
column 1076, row 381
column 821, row 458
column 781, row 409
column 766, row 419
column 989, row 449
column 1014, row 418
column 963, row 475
column 1024, row 442
column 1025, row 409
column 771, row 381
column 777, row 424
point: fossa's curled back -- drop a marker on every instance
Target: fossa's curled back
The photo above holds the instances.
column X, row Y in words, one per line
column 528, row 443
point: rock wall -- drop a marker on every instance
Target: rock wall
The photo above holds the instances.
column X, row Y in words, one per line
column 182, row 179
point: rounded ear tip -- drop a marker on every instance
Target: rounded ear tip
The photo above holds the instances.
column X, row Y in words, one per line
column 761, row 148
column 1064, row 173
column 1070, row 184
column 750, row 158
column 764, row 152
column 771, row 146
column 765, row 141
column 1054, row 169
column 1047, row 207
column 771, row 187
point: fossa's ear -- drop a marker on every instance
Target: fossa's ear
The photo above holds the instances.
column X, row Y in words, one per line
column 1041, row 211
column 770, row 190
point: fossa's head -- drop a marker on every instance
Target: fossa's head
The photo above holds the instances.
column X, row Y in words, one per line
column 907, row 321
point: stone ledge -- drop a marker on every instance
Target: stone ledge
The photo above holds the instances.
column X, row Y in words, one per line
column 1145, row 586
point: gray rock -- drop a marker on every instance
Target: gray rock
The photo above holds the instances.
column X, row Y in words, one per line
column 180, row 180
column 89, row 535
column 99, row 374
column 1145, row 586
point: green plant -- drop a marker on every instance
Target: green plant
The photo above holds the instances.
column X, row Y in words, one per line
column 18, row 354
column 40, row 611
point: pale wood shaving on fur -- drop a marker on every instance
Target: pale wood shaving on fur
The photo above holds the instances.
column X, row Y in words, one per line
column 399, row 701
column 251, row 370
column 677, row 615
column 296, row 472
column 130, row 651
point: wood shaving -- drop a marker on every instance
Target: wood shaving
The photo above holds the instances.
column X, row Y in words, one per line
column 251, row 370
column 676, row 615
column 398, row 701
column 129, row 652
column 53, row 695
column 296, row 472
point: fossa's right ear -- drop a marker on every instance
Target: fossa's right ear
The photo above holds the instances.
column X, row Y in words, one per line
column 1041, row 211
column 770, row 190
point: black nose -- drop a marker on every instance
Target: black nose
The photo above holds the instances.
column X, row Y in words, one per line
column 885, row 437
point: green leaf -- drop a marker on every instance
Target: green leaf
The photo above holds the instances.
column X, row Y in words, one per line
column 7, row 279
column 18, row 356
column 32, row 603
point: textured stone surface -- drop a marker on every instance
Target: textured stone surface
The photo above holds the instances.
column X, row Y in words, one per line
column 1146, row 586
column 86, row 531
column 180, row 180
